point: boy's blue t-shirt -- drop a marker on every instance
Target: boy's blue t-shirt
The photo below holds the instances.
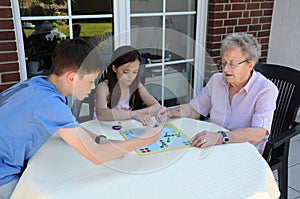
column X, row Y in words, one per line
column 30, row 112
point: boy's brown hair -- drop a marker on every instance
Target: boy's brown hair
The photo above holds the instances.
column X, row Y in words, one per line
column 76, row 55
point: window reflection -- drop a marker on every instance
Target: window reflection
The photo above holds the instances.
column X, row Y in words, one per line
column 148, row 35
column 44, row 29
column 146, row 6
column 90, row 7
column 177, row 83
column 97, row 28
column 180, row 6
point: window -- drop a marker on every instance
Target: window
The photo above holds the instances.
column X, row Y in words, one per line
column 45, row 25
column 164, row 33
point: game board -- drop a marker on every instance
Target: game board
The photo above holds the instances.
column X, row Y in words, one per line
column 171, row 139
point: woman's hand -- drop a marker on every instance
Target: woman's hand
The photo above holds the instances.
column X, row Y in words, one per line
column 162, row 115
column 206, row 139
column 144, row 118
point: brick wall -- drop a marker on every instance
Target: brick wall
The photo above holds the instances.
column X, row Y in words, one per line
column 228, row 16
column 9, row 66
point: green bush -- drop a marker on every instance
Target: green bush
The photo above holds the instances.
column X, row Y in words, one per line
column 60, row 22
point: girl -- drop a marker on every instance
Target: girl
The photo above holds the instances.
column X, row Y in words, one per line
column 121, row 96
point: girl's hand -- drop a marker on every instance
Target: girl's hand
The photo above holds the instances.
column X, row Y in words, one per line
column 144, row 118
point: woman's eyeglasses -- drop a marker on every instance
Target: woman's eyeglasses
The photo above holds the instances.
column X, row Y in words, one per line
column 230, row 65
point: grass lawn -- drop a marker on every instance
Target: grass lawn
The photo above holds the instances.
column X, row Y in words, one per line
column 87, row 29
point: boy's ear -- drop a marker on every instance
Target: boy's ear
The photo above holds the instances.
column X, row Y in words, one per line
column 71, row 77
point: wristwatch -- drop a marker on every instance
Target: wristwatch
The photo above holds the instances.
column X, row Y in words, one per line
column 98, row 138
column 225, row 138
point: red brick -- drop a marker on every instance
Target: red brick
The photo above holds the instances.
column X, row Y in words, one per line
column 5, row 86
column 227, row 7
column 216, row 45
column 241, row 29
column 236, row 1
column 12, row 77
column 263, row 60
column 218, row 1
column 254, row 27
column 221, row 15
column 244, row 21
column 229, row 30
column 235, row 14
column 265, row 40
column 214, row 38
column 253, row 33
column 238, row 6
column 264, row 34
column 7, row 35
column 9, row 67
column 264, row 53
column 215, row 23
column 5, row 3
column 230, row 22
column 246, row 14
column 268, row 12
column 209, row 51
column 5, row 13
column 264, row 47
column 219, row 7
column 209, row 45
column 255, row 20
column 251, row 6
column 256, row 13
column 215, row 59
column 217, row 31
column 8, row 46
column 266, row 27
column 266, row 5
column 6, row 24
column 214, row 53
column 8, row 57
column 265, row 20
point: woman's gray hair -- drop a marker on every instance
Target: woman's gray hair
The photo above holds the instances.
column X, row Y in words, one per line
column 249, row 45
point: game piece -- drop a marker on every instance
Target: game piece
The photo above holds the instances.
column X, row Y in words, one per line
column 171, row 138
column 116, row 127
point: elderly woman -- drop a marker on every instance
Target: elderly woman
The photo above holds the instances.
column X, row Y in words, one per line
column 238, row 99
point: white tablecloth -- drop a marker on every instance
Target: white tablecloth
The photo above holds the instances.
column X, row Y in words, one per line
column 224, row 171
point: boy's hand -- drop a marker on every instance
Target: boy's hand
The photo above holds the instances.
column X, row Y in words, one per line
column 152, row 133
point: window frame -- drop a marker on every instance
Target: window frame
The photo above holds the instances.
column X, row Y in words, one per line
column 121, row 29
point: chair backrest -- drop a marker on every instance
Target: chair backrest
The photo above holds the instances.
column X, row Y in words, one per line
column 88, row 103
column 287, row 81
column 39, row 47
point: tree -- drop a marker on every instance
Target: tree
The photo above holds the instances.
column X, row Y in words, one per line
column 52, row 4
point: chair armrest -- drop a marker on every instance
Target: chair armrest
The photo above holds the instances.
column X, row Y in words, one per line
column 285, row 136
column 279, row 140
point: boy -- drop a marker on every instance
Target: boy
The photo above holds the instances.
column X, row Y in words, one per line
column 33, row 110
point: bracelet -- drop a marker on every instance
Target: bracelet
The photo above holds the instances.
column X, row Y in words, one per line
column 97, row 139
